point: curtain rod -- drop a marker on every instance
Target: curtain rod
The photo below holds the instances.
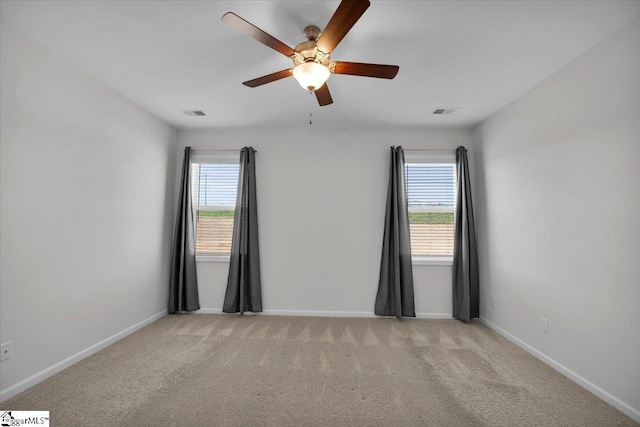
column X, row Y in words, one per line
column 217, row 151
column 431, row 150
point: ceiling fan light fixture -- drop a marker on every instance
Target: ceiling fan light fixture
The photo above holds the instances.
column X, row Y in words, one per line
column 311, row 75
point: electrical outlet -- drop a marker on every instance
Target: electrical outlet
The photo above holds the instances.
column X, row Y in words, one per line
column 493, row 301
column 5, row 350
column 544, row 325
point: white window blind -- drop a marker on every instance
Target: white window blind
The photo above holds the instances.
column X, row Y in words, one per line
column 431, row 196
column 214, row 188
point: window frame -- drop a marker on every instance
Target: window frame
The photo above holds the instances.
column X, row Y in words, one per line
column 209, row 158
column 433, row 157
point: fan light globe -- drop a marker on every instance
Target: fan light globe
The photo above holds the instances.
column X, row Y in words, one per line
column 311, row 75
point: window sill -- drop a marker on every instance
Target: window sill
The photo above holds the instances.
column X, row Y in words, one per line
column 213, row 258
column 425, row 260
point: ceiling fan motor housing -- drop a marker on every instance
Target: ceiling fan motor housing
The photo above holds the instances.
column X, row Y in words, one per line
column 307, row 51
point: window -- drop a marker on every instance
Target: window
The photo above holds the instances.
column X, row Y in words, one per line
column 431, row 197
column 214, row 187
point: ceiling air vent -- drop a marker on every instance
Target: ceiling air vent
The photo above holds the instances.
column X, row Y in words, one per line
column 193, row 113
column 444, row 110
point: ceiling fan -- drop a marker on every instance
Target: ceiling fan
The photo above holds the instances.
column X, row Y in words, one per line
column 312, row 59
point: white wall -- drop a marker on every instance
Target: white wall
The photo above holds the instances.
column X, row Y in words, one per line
column 558, row 174
column 85, row 213
column 321, row 205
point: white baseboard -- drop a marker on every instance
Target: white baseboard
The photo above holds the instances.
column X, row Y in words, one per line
column 208, row 311
column 318, row 313
column 324, row 313
column 442, row 316
column 54, row 369
column 623, row 407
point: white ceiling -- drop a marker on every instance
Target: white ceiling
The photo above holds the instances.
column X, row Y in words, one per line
column 168, row 56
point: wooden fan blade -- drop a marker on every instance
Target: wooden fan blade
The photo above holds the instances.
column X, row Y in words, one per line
column 366, row 70
column 345, row 17
column 251, row 30
column 269, row 78
column 323, row 95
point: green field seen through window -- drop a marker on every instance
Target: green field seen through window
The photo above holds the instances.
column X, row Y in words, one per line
column 430, row 217
column 414, row 217
column 216, row 214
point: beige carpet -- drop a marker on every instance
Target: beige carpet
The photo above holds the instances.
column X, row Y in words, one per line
column 226, row 370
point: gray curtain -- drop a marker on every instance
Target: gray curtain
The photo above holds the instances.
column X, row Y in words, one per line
column 183, row 285
column 395, row 288
column 466, row 281
column 244, row 291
